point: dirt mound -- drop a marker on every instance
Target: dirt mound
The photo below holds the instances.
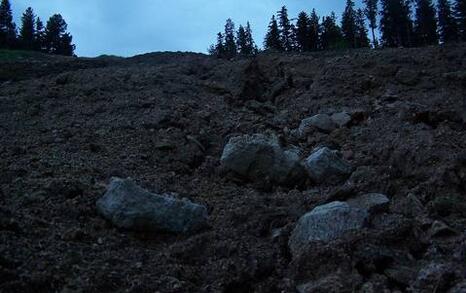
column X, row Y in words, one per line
column 67, row 126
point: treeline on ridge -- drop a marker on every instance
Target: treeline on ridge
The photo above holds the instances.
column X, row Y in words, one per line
column 399, row 23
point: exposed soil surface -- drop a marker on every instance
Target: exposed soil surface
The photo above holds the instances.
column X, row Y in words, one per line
column 68, row 125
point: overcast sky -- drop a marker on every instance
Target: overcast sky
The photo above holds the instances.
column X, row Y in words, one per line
column 126, row 28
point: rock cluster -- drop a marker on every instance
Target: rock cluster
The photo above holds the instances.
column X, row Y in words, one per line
column 259, row 157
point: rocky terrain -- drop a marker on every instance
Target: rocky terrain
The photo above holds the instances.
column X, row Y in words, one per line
column 323, row 172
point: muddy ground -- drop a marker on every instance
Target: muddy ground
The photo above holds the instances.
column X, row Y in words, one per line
column 68, row 125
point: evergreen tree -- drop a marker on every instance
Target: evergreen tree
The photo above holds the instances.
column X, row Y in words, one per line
column 303, row 32
column 362, row 40
column 27, row 33
column 251, row 48
column 348, row 24
column 56, row 40
column 395, row 24
column 460, row 13
column 7, row 26
column 314, row 31
column 218, row 49
column 272, row 38
column 39, row 35
column 230, row 40
column 425, row 25
column 285, row 28
column 241, row 41
column 448, row 30
column 371, row 14
column 331, row 36
column 294, row 43
column 66, row 46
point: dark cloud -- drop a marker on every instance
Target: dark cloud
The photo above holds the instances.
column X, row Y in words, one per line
column 127, row 28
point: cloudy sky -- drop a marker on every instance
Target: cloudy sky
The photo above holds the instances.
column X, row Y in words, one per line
column 126, row 28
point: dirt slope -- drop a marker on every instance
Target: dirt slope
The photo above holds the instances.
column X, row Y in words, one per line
column 67, row 126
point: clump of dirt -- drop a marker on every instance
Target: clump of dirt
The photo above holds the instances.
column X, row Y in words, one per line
column 68, row 125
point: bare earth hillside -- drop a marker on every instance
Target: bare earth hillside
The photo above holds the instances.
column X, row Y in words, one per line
column 68, row 125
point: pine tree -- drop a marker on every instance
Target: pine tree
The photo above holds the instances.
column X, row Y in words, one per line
column 286, row 32
column 27, row 32
column 303, row 32
column 460, row 13
column 294, row 43
column 448, row 30
column 230, row 40
column 56, row 39
column 272, row 38
column 348, row 24
column 251, row 48
column 314, row 31
column 241, row 41
column 396, row 25
column 218, row 49
column 331, row 37
column 39, row 36
column 7, row 26
column 425, row 25
column 66, row 46
column 371, row 14
column 362, row 40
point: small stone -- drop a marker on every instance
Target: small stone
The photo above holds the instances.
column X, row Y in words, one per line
column 401, row 274
column 372, row 202
column 435, row 277
column 341, row 119
column 321, row 122
column 325, row 164
column 332, row 283
column 440, row 229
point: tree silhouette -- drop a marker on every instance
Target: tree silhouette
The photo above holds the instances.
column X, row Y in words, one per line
column 348, row 24
column 27, row 33
column 396, row 25
column 371, row 13
column 362, row 40
column 218, row 49
column 303, row 32
column 272, row 38
column 228, row 45
column 314, row 31
column 251, row 48
column 241, row 41
column 448, row 30
column 331, row 37
column 7, row 26
column 39, row 35
column 66, row 47
column 425, row 25
column 57, row 40
column 230, row 40
column 460, row 13
column 285, row 29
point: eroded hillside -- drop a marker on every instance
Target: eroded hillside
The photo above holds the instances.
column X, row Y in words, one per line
column 68, row 125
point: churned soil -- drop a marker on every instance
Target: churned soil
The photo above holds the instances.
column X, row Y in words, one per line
column 67, row 125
